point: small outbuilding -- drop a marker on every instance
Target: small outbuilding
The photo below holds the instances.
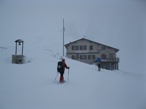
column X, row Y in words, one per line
column 18, row 58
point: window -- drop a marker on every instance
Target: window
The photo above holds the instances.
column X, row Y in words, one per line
column 83, row 57
column 103, row 56
column 77, row 56
column 75, row 47
column 91, row 47
column 72, row 47
column 83, row 47
column 73, row 57
column 91, row 57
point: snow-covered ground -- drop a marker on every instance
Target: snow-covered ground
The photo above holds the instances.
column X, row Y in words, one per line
column 31, row 85
column 118, row 23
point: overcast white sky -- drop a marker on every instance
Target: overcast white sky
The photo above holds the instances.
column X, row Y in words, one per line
column 118, row 23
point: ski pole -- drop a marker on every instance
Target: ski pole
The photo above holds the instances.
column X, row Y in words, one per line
column 68, row 76
column 56, row 77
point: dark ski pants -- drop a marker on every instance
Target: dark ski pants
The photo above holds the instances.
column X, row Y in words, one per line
column 61, row 76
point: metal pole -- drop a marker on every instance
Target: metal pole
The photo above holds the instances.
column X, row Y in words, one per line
column 22, row 48
column 68, row 76
column 63, row 37
column 16, row 49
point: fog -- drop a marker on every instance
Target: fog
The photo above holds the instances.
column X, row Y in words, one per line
column 117, row 23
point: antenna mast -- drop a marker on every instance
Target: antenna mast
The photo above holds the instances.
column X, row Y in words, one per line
column 63, row 36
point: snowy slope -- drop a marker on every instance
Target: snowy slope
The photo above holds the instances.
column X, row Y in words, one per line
column 39, row 24
column 31, row 85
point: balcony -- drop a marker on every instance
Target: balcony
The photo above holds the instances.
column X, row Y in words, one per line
column 110, row 60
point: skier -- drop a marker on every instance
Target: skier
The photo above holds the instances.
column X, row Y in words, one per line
column 99, row 66
column 98, row 63
column 61, row 68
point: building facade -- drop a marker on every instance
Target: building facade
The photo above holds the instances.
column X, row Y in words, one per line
column 88, row 51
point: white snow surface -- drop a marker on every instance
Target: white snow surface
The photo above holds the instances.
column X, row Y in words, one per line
column 32, row 86
column 119, row 23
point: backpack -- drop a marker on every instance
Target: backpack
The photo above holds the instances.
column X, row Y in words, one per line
column 60, row 66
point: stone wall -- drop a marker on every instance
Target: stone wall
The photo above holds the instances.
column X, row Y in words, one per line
column 18, row 59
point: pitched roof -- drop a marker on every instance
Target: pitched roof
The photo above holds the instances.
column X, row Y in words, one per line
column 90, row 41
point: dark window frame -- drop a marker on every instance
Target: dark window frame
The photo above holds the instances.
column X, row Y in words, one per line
column 83, row 47
column 91, row 47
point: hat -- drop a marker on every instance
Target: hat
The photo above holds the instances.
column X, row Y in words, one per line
column 63, row 59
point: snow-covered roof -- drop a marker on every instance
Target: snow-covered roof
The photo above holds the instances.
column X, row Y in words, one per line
column 91, row 41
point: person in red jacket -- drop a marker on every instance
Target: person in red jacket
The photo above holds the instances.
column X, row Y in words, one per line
column 62, row 71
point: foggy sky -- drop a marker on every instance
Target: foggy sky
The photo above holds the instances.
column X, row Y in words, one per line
column 117, row 23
